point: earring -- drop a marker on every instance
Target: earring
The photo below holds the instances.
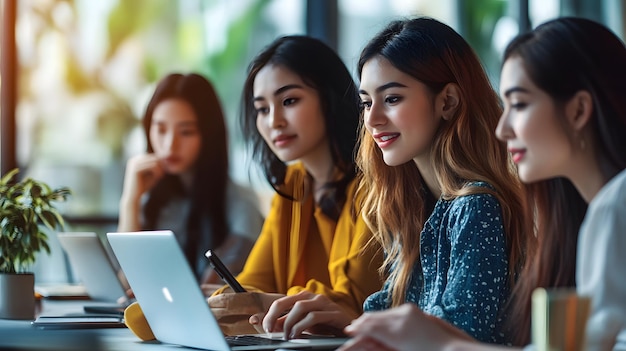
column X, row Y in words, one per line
column 582, row 144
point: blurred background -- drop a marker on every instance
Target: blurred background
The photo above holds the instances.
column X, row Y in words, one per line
column 76, row 74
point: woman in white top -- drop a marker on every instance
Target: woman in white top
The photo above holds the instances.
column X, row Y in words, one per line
column 564, row 92
column 181, row 182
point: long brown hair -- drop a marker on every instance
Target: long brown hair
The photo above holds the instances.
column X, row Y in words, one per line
column 464, row 150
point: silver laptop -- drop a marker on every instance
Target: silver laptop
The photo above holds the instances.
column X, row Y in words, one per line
column 173, row 303
column 93, row 267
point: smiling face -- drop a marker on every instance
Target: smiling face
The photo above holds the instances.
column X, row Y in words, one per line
column 532, row 126
column 398, row 112
column 289, row 115
column 174, row 135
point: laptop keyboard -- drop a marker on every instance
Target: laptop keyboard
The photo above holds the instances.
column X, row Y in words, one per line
column 251, row 340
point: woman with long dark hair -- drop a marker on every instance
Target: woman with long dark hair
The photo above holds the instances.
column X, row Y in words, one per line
column 300, row 116
column 181, row 182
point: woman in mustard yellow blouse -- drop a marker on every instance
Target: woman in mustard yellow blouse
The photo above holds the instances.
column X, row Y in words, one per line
column 300, row 116
column 301, row 106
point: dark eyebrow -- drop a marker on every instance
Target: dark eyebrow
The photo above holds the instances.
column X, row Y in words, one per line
column 515, row 90
column 188, row 123
column 281, row 90
column 179, row 124
column 384, row 87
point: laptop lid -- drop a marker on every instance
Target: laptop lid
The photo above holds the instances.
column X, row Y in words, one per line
column 92, row 265
column 171, row 299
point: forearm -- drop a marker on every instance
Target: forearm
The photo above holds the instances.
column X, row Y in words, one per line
column 353, row 267
column 130, row 208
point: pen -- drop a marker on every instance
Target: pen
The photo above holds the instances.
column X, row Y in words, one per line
column 223, row 272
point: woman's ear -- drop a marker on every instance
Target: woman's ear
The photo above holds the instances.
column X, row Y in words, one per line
column 448, row 100
column 579, row 109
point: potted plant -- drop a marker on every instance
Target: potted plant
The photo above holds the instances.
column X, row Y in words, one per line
column 26, row 210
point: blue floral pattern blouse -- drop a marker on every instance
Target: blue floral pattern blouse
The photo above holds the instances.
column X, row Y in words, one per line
column 463, row 277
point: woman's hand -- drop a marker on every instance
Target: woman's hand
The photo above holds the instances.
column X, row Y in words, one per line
column 209, row 289
column 142, row 173
column 402, row 328
column 233, row 310
column 305, row 311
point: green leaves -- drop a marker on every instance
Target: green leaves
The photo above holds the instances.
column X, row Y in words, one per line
column 26, row 210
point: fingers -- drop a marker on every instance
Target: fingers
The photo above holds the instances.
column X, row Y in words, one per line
column 218, row 301
column 380, row 326
column 150, row 172
column 370, row 323
column 145, row 163
column 279, row 307
column 317, row 310
column 360, row 325
column 305, row 310
column 238, row 304
column 309, row 321
column 142, row 173
column 130, row 293
column 255, row 320
column 235, row 301
column 405, row 327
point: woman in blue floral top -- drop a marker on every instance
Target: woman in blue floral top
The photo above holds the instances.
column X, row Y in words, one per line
column 440, row 192
column 465, row 239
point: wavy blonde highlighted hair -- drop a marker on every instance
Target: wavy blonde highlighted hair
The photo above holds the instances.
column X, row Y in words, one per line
column 465, row 149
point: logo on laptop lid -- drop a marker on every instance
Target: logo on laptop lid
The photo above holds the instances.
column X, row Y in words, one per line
column 167, row 294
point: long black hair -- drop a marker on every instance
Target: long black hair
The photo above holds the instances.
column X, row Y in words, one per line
column 208, row 195
column 320, row 68
column 563, row 57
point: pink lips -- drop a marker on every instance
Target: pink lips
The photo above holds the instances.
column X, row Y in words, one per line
column 517, row 154
column 384, row 140
column 283, row 140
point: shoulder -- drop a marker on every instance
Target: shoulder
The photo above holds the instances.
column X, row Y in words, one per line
column 606, row 216
column 295, row 173
column 612, row 195
column 479, row 202
column 473, row 214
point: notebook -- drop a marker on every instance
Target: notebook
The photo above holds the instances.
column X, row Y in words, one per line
column 171, row 299
column 78, row 321
column 93, row 267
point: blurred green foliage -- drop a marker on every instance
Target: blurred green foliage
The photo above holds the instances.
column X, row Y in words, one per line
column 479, row 18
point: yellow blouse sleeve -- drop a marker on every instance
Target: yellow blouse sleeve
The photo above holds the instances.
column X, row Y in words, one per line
column 352, row 266
column 353, row 263
column 258, row 273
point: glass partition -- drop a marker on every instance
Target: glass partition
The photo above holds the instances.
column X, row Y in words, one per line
column 88, row 67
